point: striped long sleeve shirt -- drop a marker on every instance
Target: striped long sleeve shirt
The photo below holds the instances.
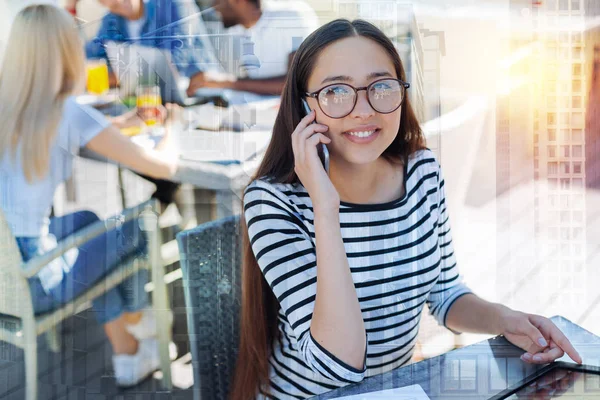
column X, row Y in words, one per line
column 400, row 256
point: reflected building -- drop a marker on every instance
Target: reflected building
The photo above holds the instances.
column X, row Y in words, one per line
column 515, row 103
column 546, row 130
column 592, row 129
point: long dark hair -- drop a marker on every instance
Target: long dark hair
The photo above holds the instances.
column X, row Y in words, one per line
column 258, row 320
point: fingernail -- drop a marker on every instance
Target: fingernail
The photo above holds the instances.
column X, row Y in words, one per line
column 537, row 358
column 526, row 357
column 542, row 342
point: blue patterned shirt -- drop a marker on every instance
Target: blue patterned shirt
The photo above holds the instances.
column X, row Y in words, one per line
column 169, row 25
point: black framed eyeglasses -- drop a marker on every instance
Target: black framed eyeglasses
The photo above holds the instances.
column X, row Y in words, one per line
column 339, row 99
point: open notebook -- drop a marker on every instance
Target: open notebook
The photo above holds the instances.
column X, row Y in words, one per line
column 414, row 392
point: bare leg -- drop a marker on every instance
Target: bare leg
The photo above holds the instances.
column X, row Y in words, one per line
column 120, row 339
column 132, row 318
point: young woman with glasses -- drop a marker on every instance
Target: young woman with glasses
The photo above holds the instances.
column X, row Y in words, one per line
column 338, row 268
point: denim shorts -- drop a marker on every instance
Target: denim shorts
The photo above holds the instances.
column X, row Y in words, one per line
column 80, row 269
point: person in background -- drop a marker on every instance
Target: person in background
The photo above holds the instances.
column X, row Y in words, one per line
column 42, row 131
column 268, row 34
column 339, row 265
column 171, row 25
column 164, row 24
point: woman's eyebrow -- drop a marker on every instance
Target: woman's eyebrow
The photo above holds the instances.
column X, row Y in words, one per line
column 346, row 78
column 378, row 74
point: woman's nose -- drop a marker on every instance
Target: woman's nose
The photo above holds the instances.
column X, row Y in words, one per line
column 363, row 109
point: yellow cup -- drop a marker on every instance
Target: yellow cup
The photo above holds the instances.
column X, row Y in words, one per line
column 97, row 77
column 148, row 104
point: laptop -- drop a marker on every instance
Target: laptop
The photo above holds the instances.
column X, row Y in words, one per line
column 134, row 64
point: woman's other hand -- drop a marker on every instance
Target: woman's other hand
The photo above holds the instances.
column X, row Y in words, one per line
column 128, row 120
column 538, row 336
column 160, row 162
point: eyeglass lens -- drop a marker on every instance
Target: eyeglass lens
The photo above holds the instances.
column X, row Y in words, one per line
column 338, row 100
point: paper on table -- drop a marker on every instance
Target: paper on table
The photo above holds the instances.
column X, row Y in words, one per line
column 243, row 117
column 210, row 146
column 414, row 392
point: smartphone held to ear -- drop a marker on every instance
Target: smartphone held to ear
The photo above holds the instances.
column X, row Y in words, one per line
column 321, row 148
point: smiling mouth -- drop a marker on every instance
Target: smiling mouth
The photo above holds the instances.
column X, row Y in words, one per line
column 362, row 134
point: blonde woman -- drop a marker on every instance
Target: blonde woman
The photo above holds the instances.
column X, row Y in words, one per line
column 42, row 130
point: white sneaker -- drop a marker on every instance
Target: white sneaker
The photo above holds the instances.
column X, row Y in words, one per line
column 132, row 369
column 146, row 327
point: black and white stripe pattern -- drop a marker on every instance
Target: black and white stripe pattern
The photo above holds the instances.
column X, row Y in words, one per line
column 400, row 256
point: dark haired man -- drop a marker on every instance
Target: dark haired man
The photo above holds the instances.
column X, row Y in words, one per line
column 259, row 43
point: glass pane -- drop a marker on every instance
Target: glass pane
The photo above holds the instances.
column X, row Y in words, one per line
column 563, row 5
column 468, row 374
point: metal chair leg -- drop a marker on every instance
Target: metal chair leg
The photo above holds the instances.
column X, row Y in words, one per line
column 53, row 339
column 149, row 222
column 30, row 350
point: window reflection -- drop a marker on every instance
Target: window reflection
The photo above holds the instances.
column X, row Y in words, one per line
column 460, row 375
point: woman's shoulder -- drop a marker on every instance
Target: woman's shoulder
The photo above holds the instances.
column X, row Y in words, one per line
column 265, row 188
column 266, row 199
column 423, row 162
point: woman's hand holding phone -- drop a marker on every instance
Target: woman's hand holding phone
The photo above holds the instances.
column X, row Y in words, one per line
column 305, row 139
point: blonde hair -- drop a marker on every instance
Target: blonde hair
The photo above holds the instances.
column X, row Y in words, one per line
column 43, row 64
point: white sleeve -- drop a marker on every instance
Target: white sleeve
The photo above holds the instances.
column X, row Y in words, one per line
column 449, row 286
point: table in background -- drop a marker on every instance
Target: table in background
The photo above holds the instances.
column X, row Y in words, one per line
column 219, row 163
column 475, row 372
